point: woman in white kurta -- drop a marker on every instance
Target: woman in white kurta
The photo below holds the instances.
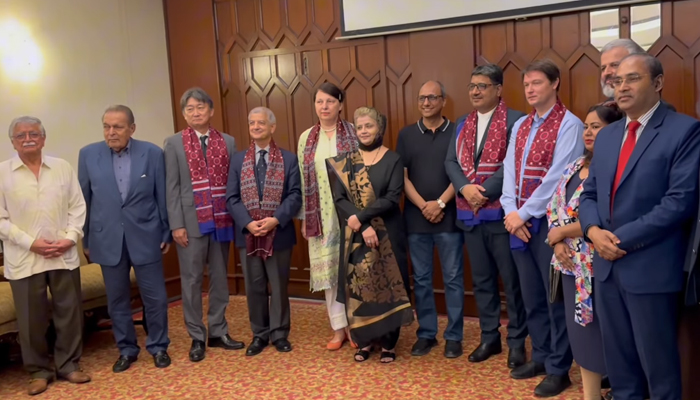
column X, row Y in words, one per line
column 330, row 137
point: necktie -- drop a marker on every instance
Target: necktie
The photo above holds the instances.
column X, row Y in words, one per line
column 261, row 171
column 625, row 154
column 203, row 139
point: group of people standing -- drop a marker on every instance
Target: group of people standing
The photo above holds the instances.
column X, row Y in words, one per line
column 531, row 196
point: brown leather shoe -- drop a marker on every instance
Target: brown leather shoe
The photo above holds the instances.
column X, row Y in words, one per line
column 78, row 377
column 37, row 386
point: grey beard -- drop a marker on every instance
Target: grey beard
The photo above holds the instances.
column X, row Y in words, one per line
column 607, row 90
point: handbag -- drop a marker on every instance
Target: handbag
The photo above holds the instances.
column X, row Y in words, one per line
column 556, row 292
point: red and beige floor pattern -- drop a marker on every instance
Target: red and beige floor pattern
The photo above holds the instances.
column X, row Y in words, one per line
column 309, row 372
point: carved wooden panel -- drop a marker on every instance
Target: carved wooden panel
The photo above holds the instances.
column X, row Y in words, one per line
column 276, row 52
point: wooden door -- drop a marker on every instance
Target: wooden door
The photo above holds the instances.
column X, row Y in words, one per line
column 284, row 80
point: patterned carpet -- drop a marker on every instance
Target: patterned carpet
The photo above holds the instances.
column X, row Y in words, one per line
column 308, row 372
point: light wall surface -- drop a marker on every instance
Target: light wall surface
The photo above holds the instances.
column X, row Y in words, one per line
column 65, row 61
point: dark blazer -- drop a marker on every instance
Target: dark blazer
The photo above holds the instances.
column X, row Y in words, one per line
column 692, row 291
column 286, row 236
column 655, row 199
column 494, row 184
column 141, row 220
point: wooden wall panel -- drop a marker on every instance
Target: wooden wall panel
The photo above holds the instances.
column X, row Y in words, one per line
column 276, row 52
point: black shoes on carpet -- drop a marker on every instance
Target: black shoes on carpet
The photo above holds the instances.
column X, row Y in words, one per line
column 161, row 360
column 198, row 349
column 258, row 345
column 453, row 348
column 551, row 385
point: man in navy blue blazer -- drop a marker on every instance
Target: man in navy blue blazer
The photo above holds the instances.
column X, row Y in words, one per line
column 263, row 196
column 639, row 196
column 123, row 182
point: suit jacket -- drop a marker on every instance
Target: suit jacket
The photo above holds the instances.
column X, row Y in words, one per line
column 141, row 219
column 692, row 292
column 286, row 236
column 494, row 184
column 178, row 184
column 656, row 197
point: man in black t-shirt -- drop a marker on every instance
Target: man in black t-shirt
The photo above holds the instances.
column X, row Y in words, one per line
column 430, row 218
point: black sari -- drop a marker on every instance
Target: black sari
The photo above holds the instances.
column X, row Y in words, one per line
column 372, row 282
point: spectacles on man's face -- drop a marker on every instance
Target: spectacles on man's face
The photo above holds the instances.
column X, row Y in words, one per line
column 630, row 79
column 480, row 86
column 431, row 98
column 24, row 135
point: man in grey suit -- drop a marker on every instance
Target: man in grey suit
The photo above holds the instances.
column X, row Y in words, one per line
column 123, row 182
column 197, row 165
column 475, row 165
column 263, row 196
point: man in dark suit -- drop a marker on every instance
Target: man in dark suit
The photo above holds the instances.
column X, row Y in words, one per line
column 263, row 195
column 478, row 178
column 123, row 182
column 640, row 192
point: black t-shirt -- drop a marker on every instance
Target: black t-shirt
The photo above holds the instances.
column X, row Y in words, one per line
column 423, row 154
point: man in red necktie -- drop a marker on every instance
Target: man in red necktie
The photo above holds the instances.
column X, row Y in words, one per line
column 640, row 194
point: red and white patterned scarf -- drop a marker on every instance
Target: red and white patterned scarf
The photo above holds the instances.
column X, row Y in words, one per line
column 209, row 179
column 541, row 154
column 493, row 153
column 262, row 246
column 346, row 142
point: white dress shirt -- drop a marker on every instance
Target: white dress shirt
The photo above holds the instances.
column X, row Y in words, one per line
column 643, row 120
column 482, row 125
column 50, row 207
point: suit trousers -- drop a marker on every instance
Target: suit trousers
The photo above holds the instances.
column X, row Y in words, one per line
column 32, row 309
column 546, row 322
column 151, row 284
column 488, row 246
column 202, row 251
column 640, row 338
column 270, row 317
column 450, row 248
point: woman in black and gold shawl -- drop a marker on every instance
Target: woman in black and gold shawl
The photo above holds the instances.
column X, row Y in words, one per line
column 367, row 185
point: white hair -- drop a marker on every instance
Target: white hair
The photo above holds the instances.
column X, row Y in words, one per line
column 264, row 110
column 26, row 119
column 630, row 45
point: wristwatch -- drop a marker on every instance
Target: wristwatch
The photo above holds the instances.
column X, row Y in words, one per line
column 441, row 203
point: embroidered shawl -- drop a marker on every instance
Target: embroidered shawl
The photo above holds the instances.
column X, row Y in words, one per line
column 560, row 213
column 209, row 178
column 262, row 246
column 495, row 147
column 346, row 142
column 541, row 153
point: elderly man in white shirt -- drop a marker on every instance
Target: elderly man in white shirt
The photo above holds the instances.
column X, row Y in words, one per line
column 42, row 212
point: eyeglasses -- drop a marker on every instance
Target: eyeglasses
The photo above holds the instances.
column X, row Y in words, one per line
column 431, row 98
column 618, row 81
column 24, row 135
column 481, row 86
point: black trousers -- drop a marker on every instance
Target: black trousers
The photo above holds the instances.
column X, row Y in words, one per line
column 388, row 341
column 32, row 309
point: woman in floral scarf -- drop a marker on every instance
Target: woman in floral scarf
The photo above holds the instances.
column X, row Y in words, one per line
column 573, row 256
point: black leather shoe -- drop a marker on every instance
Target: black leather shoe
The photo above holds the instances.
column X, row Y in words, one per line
column 423, row 346
column 226, row 342
column 197, row 351
column 161, row 359
column 256, row 347
column 283, row 345
column 485, row 351
column 528, row 370
column 516, row 357
column 552, row 385
column 453, row 349
column 123, row 363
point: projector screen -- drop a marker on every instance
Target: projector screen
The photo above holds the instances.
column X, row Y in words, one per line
column 380, row 17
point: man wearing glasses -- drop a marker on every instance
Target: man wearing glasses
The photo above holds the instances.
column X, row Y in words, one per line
column 430, row 220
column 42, row 212
column 475, row 165
column 640, row 193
